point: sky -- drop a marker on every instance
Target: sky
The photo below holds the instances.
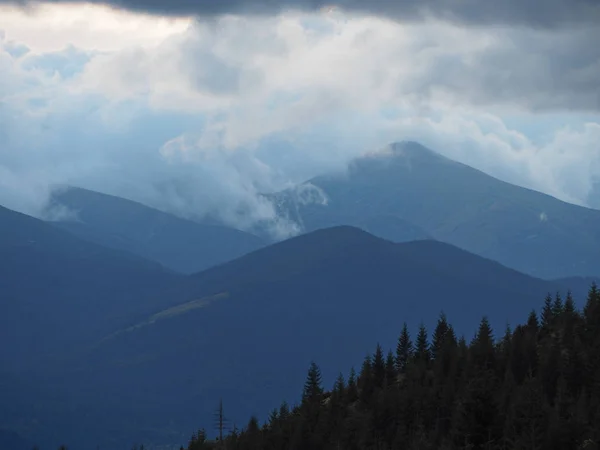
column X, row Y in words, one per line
column 196, row 106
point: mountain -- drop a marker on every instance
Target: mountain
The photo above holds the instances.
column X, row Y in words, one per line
column 58, row 291
column 454, row 203
column 10, row 440
column 245, row 331
column 182, row 245
column 453, row 395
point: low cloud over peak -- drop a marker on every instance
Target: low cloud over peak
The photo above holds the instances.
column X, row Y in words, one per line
column 198, row 116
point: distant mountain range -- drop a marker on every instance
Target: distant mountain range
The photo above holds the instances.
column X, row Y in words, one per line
column 179, row 244
column 408, row 192
column 104, row 328
column 405, row 192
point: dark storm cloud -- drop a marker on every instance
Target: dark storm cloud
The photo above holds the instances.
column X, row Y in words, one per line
column 540, row 71
column 535, row 13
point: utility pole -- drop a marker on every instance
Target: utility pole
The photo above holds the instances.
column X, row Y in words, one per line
column 220, row 424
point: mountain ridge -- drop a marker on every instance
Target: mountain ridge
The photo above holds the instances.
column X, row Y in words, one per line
column 280, row 307
column 182, row 245
column 51, row 279
column 451, row 202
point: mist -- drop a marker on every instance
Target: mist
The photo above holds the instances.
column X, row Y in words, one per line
column 200, row 118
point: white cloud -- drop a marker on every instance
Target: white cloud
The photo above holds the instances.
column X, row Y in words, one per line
column 50, row 27
column 565, row 166
column 198, row 118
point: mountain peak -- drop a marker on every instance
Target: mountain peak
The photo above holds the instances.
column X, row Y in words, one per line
column 398, row 157
column 340, row 233
column 403, row 154
column 406, row 183
column 410, row 147
column 408, row 151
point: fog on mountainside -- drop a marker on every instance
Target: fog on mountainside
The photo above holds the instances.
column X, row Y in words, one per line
column 179, row 244
column 403, row 193
column 427, row 194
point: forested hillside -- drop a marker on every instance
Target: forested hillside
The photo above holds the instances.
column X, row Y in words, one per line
column 533, row 387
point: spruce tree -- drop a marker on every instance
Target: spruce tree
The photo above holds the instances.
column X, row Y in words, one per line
column 591, row 335
column 340, row 385
column 313, row 390
column 337, row 410
column 547, row 314
column 404, row 350
column 558, row 306
column 570, row 308
column 483, row 349
column 592, row 300
column 284, row 411
column 390, row 369
column 532, row 322
column 253, row 435
column 504, row 346
column 446, row 360
column 422, row 351
column 378, row 368
column 338, row 394
column 352, row 387
column 439, row 336
column 273, row 418
column 366, row 383
column 591, row 313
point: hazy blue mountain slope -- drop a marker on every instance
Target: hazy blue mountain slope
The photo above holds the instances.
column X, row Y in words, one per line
column 182, row 245
column 246, row 331
column 10, row 440
column 57, row 291
column 451, row 202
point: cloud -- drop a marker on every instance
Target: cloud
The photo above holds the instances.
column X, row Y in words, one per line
column 337, row 60
column 536, row 13
column 51, row 27
column 565, row 165
column 65, row 63
column 547, row 70
column 199, row 119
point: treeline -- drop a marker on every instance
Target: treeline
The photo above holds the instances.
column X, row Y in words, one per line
column 535, row 387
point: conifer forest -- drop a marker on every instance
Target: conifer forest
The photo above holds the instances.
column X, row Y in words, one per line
column 532, row 387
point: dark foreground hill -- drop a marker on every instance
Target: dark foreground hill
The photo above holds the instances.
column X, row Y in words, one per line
column 58, row 292
column 182, row 245
column 429, row 195
column 10, row 440
column 245, row 331
column 535, row 387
